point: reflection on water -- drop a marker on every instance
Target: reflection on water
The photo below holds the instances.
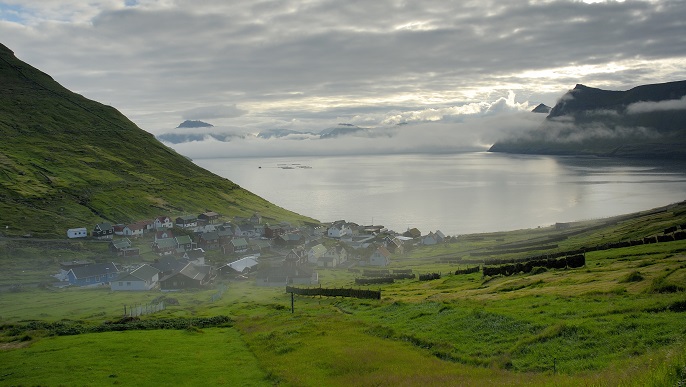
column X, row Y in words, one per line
column 457, row 193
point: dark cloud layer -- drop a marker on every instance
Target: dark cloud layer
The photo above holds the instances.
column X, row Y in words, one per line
column 304, row 65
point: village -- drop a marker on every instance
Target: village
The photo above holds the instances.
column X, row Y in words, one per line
column 195, row 252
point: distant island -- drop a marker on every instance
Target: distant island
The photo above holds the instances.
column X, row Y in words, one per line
column 194, row 124
column 647, row 121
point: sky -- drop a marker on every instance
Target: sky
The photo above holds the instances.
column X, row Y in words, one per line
column 419, row 75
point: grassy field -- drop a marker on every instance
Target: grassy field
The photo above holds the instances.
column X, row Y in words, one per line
column 620, row 320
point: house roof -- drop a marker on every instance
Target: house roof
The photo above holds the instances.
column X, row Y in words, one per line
column 163, row 219
column 188, row 218
column 166, row 243
column 183, row 239
column 317, row 250
column 239, row 242
column 243, row 263
column 121, row 244
column 104, row 226
column 195, row 253
column 192, row 272
column 144, row 272
column 167, row 264
column 384, row 251
column 94, row 269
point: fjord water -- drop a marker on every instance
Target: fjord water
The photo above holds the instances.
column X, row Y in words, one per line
column 457, row 193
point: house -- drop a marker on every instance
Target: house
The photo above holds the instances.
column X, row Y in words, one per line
column 189, row 277
column 259, row 245
column 412, row 233
column 237, row 246
column 194, row 256
column 241, row 266
column 429, row 239
column 333, row 257
column 168, row 265
column 290, row 239
column 164, row 246
column 244, row 230
column 163, row 234
column 286, row 275
column 209, row 217
column 394, row 245
column 103, row 231
column 380, row 257
column 80, row 232
column 296, row 257
column 339, row 230
column 272, row 232
column 256, row 218
column 315, row 252
column 187, row 221
column 124, row 248
column 119, row 229
column 93, row 274
column 162, row 222
column 134, row 229
column 184, row 243
column 209, row 241
column 144, row 277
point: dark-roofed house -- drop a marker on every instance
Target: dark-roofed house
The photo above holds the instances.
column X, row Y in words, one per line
column 145, row 277
column 209, row 241
column 286, row 275
column 236, row 246
column 187, row 221
column 189, row 277
column 164, row 246
column 94, row 274
column 184, row 243
column 103, row 231
column 209, row 217
column 123, row 248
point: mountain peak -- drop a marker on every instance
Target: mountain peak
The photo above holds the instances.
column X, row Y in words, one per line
column 194, row 124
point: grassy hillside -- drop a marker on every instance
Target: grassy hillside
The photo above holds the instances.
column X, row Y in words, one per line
column 619, row 320
column 66, row 161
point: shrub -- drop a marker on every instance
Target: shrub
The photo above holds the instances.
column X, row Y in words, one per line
column 538, row 270
column 634, row 276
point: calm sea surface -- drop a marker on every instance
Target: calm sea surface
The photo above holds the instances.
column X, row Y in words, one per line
column 457, row 193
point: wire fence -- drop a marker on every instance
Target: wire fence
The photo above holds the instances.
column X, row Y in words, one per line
column 140, row 310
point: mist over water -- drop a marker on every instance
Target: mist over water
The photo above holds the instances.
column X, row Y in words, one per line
column 457, row 193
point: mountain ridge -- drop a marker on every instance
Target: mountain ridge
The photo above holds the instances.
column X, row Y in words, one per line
column 647, row 121
column 67, row 161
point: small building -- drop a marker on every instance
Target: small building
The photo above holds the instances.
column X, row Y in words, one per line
column 380, row 257
column 315, row 252
column 80, row 232
column 209, row 217
column 412, row 233
column 189, row 277
column 162, row 222
column 165, row 246
column 94, row 274
column 339, row 230
column 286, row 275
column 134, row 229
column 184, row 243
column 187, row 221
column 103, row 231
column 241, row 266
column 209, row 241
column 144, row 277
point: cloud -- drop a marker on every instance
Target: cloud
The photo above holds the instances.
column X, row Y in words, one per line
column 648, row 107
column 472, row 134
column 291, row 63
column 209, row 112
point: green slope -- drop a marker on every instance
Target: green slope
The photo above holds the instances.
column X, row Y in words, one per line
column 66, row 161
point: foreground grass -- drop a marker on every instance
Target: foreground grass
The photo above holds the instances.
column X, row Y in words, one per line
column 214, row 357
column 617, row 321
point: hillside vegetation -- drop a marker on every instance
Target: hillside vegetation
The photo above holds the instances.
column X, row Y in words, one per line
column 66, row 161
column 619, row 320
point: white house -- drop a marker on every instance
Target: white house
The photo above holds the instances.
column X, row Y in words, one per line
column 339, row 231
column 145, row 277
column 315, row 252
column 380, row 257
column 333, row 257
column 163, row 222
column 80, row 232
column 133, row 229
